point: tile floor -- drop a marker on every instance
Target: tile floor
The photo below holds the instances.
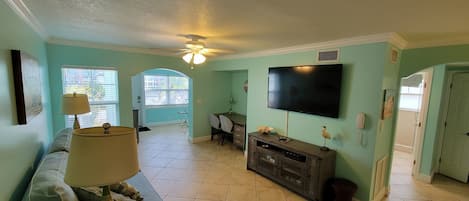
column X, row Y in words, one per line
column 182, row 171
column 405, row 188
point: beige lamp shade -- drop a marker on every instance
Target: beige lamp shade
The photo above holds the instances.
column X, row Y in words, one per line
column 75, row 104
column 98, row 159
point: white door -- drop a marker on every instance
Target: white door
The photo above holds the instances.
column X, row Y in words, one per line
column 455, row 151
column 137, row 95
column 420, row 123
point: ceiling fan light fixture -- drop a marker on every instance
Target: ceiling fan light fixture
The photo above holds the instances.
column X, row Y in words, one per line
column 194, row 58
column 195, row 46
column 187, row 57
column 199, row 58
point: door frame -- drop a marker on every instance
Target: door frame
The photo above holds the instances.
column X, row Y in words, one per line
column 441, row 131
column 420, row 131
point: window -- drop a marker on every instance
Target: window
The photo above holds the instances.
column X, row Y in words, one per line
column 163, row 90
column 101, row 87
column 411, row 97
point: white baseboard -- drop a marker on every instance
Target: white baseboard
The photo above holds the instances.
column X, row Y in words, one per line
column 200, row 139
column 403, row 148
column 425, row 178
column 150, row 124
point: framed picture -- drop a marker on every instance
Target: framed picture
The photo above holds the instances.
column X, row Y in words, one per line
column 388, row 104
column 394, row 55
column 27, row 81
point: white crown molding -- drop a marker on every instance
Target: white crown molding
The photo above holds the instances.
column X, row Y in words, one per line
column 392, row 38
column 26, row 15
column 108, row 47
column 458, row 64
column 398, row 41
column 23, row 11
column 463, row 40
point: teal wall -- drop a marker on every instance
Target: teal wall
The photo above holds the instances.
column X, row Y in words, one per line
column 361, row 92
column 157, row 116
column 20, row 146
column 433, row 120
column 209, row 90
column 165, row 114
column 414, row 60
column 237, row 92
column 367, row 72
column 386, row 129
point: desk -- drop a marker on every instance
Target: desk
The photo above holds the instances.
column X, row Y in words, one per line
column 239, row 128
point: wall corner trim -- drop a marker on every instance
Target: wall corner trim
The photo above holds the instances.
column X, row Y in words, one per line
column 27, row 16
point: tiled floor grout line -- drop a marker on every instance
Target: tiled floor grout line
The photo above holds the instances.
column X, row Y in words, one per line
column 165, row 154
column 409, row 189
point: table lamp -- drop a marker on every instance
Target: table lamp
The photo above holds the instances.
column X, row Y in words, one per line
column 74, row 104
column 101, row 156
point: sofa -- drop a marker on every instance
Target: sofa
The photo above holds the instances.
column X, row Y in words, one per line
column 47, row 183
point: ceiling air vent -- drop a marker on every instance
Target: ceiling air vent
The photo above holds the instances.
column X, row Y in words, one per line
column 328, row 55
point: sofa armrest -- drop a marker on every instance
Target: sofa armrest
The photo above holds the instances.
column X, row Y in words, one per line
column 61, row 141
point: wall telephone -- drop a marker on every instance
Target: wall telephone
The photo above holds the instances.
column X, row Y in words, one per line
column 360, row 124
column 360, row 120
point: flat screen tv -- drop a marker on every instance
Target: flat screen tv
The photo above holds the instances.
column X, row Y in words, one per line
column 311, row 89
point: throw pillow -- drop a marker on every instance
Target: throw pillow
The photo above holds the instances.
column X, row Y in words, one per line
column 126, row 189
column 94, row 194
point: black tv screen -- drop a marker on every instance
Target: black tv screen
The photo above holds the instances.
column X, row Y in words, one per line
column 312, row 89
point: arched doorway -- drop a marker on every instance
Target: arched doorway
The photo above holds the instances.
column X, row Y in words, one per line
column 427, row 158
column 164, row 99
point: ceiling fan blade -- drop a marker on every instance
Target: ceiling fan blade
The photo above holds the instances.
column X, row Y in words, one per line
column 218, row 51
column 210, row 54
column 193, row 37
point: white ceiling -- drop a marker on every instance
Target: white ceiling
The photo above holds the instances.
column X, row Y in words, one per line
column 248, row 25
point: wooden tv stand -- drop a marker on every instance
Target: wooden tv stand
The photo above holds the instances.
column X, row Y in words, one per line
column 299, row 166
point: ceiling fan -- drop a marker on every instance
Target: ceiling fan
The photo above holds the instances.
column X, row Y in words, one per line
column 195, row 52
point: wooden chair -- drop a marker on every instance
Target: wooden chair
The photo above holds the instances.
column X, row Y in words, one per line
column 215, row 125
column 226, row 127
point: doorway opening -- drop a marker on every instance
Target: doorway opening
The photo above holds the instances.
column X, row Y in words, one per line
column 409, row 133
column 163, row 99
column 416, row 172
column 453, row 161
column 414, row 97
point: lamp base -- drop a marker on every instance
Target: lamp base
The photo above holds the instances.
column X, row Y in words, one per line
column 106, row 193
column 324, row 148
column 76, row 125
